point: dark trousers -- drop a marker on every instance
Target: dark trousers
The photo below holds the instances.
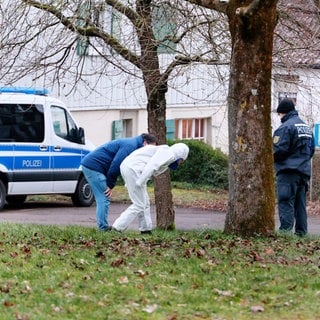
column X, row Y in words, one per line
column 291, row 192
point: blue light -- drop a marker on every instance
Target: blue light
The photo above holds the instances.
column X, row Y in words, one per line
column 38, row 91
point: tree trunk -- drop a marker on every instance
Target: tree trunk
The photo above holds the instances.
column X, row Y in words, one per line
column 162, row 190
column 156, row 88
column 164, row 203
column 251, row 179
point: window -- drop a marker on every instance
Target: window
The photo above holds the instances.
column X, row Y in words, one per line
column 63, row 124
column 21, row 123
column 288, row 95
column 190, row 129
column 286, row 86
column 122, row 128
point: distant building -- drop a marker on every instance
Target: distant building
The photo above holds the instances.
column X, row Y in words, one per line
column 115, row 106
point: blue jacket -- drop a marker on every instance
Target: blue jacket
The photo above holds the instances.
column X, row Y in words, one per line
column 107, row 158
column 293, row 145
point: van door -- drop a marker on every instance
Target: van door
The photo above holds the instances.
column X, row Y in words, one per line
column 30, row 172
column 67, row 151
column 6, row 145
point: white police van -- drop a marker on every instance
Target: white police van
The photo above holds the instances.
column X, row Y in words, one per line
column 41, row 148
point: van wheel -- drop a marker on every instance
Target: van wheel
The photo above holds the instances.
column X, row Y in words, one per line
column 17, row 200
column 83, row 197
column 3, row 194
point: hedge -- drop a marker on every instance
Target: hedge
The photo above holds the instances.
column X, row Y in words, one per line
column 205, row 166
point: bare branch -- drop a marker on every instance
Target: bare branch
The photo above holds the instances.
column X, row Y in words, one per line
column 218, row 5
column 135, row 42
column 126, row 11
column 54, row 11
column 90, row 30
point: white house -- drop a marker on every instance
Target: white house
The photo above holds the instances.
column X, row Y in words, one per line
column 109, row 103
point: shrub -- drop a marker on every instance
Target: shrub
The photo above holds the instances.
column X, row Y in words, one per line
column 205, row 166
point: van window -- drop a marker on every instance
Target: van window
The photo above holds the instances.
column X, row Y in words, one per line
column 21, row 123
column 63, row 124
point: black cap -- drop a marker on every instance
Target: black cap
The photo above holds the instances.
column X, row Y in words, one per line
column 285, row 106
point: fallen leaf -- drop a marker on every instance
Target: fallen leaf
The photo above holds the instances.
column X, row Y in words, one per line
column 8, row 304
column 255, row 256
column 141, row 273
column 223, row 293
column 150, row 308
column 256, row 309
column 13, row 254
column 269, row 251
column 123, row 280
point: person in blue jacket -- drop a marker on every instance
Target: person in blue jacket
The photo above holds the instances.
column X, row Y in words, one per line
column 101, row 168
column 293, row 148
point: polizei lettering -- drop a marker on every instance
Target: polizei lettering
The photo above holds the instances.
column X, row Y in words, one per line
column 31, row 163
column 303, row 130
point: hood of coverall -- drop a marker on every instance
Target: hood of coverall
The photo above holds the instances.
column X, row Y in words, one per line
column 180, row 151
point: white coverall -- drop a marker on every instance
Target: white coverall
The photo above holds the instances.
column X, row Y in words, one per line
column 136, row 169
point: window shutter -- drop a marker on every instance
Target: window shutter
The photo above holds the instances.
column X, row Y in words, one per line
column 164, row 29
column 83, row 15
column 117, row 129
column 170, row 126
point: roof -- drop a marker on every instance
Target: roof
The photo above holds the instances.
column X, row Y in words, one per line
column 297, row 35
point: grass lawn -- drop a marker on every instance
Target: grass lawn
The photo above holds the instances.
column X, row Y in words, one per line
column 205, row 199
column 52, row 272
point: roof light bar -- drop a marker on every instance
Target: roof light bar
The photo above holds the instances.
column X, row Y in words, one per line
column 37, row 91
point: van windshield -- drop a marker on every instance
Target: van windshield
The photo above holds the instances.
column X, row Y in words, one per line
column 21, row 123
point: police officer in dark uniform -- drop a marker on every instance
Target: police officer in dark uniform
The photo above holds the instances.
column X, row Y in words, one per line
column 293, row 147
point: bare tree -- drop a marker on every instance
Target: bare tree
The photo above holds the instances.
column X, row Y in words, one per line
column 39, row 41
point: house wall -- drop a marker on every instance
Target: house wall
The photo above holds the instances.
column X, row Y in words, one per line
column 105, row 94
column 194, row 93
column 98, row 123
column 306, row 88
column 304, row 85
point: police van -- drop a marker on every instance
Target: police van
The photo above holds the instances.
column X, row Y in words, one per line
column 41, row 148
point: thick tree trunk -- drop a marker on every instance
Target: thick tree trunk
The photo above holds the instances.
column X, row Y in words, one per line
column 251, row 178
column 156, row 88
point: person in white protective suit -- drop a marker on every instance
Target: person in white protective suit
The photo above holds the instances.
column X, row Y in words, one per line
column 136, row 169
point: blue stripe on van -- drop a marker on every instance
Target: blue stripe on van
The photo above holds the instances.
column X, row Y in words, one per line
column 29, row 147
column 6, row 147
column 30, row 157
column 6, row 156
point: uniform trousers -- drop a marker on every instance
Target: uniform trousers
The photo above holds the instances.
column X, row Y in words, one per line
column 291, row 192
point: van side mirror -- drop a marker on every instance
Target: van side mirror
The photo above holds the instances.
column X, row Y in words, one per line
column 81, row 135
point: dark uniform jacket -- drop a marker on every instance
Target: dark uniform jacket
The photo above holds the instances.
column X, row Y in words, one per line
column 293, row 145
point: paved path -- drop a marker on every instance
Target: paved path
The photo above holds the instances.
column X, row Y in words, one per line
column 66, row 214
